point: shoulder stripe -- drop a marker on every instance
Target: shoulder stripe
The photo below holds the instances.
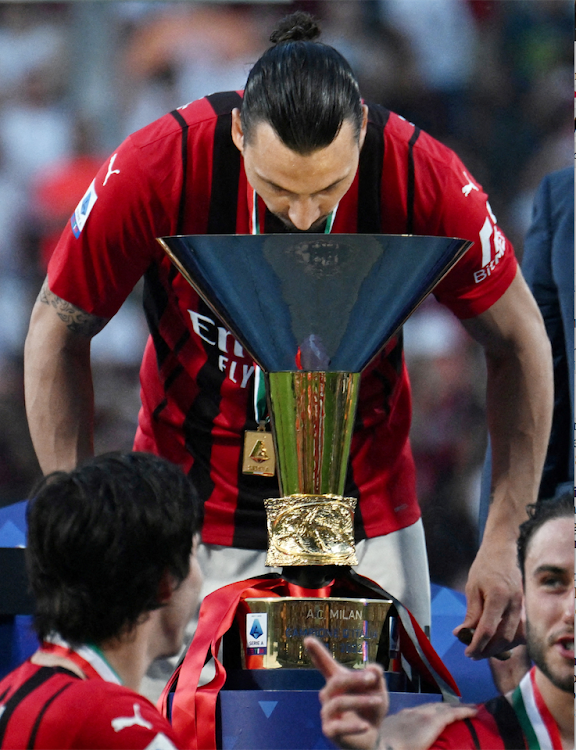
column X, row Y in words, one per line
column 45, row 707
column 370, row 173
column 224, row 102
column 507, row 723
column 225, row 167
column 44, row 674
column 473, row 734
column 182, row 205
column 410, row 182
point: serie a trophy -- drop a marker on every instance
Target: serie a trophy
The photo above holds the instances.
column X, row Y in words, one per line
column 312, row 311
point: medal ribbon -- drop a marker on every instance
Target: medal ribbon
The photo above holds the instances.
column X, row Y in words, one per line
column 89, row 658
column 259, row 395
column 538, row 724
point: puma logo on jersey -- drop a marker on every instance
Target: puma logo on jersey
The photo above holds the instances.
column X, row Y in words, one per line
column 110, row 170
column 123, row 722
column 467, row 189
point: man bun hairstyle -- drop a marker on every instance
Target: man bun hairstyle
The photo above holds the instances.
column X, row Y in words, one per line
column 302, row 88
column 101, row 539
column 297, row 27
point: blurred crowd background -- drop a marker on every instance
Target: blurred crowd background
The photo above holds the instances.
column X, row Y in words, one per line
column 493, row 79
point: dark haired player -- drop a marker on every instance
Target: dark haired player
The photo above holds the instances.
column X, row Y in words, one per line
column 298, row 151
column 112, row 569
column 538, row 714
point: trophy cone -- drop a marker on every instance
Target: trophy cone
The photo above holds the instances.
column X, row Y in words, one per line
column 335, row 300
column 312, row 310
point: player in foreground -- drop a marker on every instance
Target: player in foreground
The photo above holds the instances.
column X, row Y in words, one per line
column 112, row 567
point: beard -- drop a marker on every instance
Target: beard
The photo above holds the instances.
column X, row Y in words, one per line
column 537, row 652
column 276, row 222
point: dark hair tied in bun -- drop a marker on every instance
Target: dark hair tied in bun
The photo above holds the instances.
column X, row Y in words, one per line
column 297, row 27
column 304, row 89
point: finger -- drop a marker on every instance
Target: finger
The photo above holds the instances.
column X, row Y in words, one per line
column 499, row 648
column 494, row 608
column 496, row 631
column 321, row 658
column 360, row 681
column 340, row 727
column 377, row 670
column 380, row 684
column 439, row 709
column 465, row 636
column 473, row 611
column 360, row 704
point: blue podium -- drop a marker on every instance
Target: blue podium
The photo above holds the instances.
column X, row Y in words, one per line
column 276, row 709
column 17, row 640
column 279, row 708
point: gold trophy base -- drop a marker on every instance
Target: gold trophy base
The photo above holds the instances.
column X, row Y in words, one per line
column 310, row 530
column 273, row 630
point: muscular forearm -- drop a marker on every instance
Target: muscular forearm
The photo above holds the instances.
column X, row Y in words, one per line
column 58, row 382
column 519, row 405
column 59, row 405
column 519, row 409
column 519, row 402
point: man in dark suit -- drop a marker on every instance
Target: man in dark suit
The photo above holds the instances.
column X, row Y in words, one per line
column 548, row 267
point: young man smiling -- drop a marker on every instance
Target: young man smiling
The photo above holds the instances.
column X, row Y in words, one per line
column 298, row 150
column 538, row 715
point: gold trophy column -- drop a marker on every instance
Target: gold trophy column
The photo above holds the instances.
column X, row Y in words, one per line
column 313, row 417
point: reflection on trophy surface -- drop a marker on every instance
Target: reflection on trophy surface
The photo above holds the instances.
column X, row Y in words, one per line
column 311, row 531
column 313, row 311
column 312, row 417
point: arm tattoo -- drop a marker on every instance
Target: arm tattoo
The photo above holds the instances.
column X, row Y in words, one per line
column 76, row 320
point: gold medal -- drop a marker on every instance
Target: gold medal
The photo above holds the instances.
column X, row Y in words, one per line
column 259, row 455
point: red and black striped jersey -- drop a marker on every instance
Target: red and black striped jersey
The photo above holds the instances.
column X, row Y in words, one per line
column 183, row 175
column 519, row 720
column 495, row 727
column 51, row 707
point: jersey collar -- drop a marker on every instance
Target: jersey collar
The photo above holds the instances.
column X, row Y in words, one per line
column 88, row 657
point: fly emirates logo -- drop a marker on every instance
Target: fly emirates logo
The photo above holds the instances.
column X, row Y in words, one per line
column 231, row 351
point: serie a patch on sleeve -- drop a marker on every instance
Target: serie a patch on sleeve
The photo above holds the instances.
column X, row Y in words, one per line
column 82, row 212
